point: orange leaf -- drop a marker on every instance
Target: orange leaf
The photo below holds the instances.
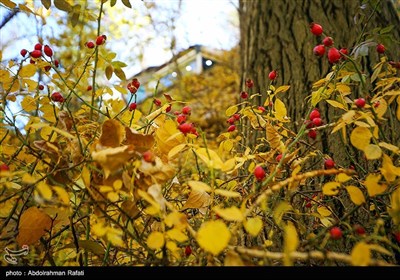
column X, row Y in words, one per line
column 112, row 133
column 32, row 226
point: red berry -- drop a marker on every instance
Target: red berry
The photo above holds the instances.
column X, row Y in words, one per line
column 328, row 41
column 56, row 63
column 4, row 167
column 186, row 110
column 181, row 118
column 194, row 131
column 157, row 102
column 344, row 51
column 48, row 51
column 376, row 104
column 136, row 83
column 38, row 47
column 329, row 163
column 41, row 87
column 231, row 120
column 236, row 116
column 259, row 173
column 397, row 236
column 132, row 106
column 249, row 83
column 31, row 61
column 57, row 97
column 185, row 128
column 188, row 251
column 100, row 40
column 168, row 109
column 23, row 52
column 395, row 64
column 308, row 205
column 278, row 157
column 380, row 48
column 317, row 121
column 261, row 108
column 309, row 124
column 89, row 88
column 36, row 53
column 319, row 50
column 177, row 113
column 132, row 89
column 312, row 134
column 336, row 233
column 360, row 102
column 231, row 128
column 90, row 45
column 316, row 29
column 314, row 114
column 272, row 75
column 244, row 94
column 47, row 68
column 352, row 167
column 359, row 229
column 148, row 156
column 333, row 55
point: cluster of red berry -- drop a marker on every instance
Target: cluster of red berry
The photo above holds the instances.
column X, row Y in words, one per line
column 334, row 55
column 100, row 40
column 232, row 120
column 183, row 126
column 4, row 167
column 37, row 53
column 314, row 121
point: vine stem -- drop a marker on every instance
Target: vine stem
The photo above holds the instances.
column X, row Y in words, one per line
column 96, row 61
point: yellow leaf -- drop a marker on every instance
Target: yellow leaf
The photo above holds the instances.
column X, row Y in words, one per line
column 210, row 158
column 398, row 108
column 112, row 159
column 331, row 188
column 382, row 108
column 28, row 104
column 343, row 89
column 213, row 236
column 348, row 116
column 86, row 176
column 44, row 190
column 291, row 242
column 155, row 240
column 372, row 152
column 280, row 210
column 28, row 179
column 390, row 147
column 230, row 214
column 337, row 104
column 280, row 110
column 176, row 150
column 112, row 133
column 233, row 259
column 228, row 165
column 282, row 89
column 227, row 193
column 177, row 235
column 253, row 226
column 176, row 219
column 197, row 199
column 356, row 195
column 99, row 229
column 342, row 177
column 231, row 110
column 361, row 254
column 360, row 137
column 323, row 211
column 33, row 224
column 199, row 186
column 112, row 196
column 27, row 71
column 273, row 137
column 394, row 208
column 62, row 194
column 115, row 236
column 389, row 171
column 372, row 185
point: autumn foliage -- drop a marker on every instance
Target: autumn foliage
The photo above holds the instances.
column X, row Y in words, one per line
column 88, row 181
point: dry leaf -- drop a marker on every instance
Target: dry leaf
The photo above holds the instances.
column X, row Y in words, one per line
column 112, row 134
column 140, row 142
column 33, row 224
column 197, row 199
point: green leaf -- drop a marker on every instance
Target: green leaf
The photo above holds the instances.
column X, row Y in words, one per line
column 46, row 3
column 127, row 3
column 119, row 64
column 62, row 5
column 112, row 3
column 75, row 19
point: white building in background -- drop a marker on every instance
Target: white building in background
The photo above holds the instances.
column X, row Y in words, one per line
column 193, row 60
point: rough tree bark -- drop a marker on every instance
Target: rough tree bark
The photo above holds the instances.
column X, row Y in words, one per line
column 276, row 35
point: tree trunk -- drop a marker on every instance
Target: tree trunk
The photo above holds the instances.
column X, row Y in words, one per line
column 275, row 35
